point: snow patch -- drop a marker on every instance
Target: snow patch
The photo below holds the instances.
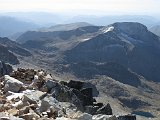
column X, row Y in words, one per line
column 17, row 103
column 14, row 95
column 108, row 29
column 17, row 95
column 82, row 40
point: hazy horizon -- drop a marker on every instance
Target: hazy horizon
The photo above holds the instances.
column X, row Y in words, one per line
column 83, row 7
column 97, row 12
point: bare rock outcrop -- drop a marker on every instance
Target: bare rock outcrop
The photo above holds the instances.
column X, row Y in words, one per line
column 29, row 94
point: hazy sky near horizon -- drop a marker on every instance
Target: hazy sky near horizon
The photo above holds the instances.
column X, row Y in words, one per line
column 147, row 7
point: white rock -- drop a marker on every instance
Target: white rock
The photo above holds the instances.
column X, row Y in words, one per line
column 17, row 103
column 40, row 73
column 36, row 77
column 63, row 118
column 18, row 95
column 104, row 117
column 48, row 76
column 4, row 118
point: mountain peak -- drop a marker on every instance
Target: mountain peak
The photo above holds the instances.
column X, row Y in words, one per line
column 129, row 27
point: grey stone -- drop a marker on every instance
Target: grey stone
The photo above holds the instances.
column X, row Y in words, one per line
column 65, row 94
column 33, row 97
column 49, row 103
column 127, row 117
column 50, row 84
column 85, row 116
column 12, row 84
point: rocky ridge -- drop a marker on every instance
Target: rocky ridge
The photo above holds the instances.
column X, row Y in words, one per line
column 28, row 94
column 7, row 56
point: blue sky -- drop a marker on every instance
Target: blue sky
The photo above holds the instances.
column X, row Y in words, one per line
column 147, row 7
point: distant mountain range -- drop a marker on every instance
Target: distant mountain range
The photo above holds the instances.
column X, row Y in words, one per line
column 50, row 19
column 106, row 20
column 44, row 21
column 10, row 26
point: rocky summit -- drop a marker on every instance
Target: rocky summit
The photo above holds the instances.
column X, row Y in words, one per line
column 28, row 94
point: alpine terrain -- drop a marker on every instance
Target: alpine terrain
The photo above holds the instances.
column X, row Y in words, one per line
column 81, row 71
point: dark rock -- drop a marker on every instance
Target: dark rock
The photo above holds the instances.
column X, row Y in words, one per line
column 88, row 96
column 50, row 84
column 82, row 85
column 98, row 104
column 65, row 94
column 5, row 69
column 91, row 109
column 75, row 84
column 63, row 83
column 87, row 92
column 86, row 100
column 73, row 93
column 95, row 92
column 106, row 109
column 127, row 117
